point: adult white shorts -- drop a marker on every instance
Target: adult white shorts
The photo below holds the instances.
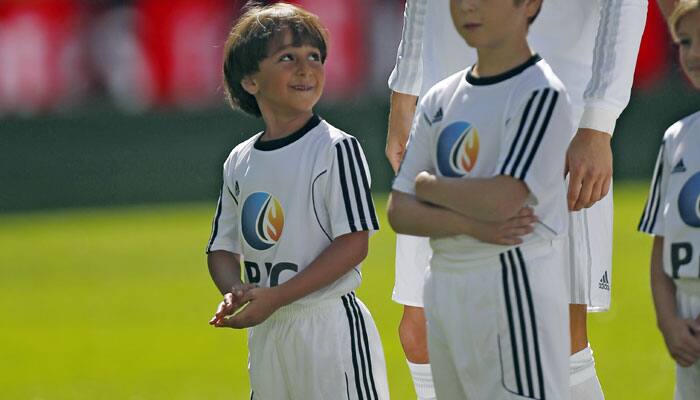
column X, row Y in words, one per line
column 499, row 329
column 590, row 260
column 688, row 301
column 327, row 350
column 412, row 262
column 590, row 256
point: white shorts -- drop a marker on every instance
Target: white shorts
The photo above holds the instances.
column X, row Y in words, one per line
column 590, row 260
column 688, row 302
column 326, row 350
column 590, row 235
column 499, row 329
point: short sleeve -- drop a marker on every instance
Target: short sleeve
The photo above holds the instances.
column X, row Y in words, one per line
column 652, row 220
column 348, row 196
column 225, row 230
column 538, row 131
column 418, row 156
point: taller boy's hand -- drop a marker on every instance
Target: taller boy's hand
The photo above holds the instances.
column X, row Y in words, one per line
column 262, row 302
column 589, row 165
column 509, row 232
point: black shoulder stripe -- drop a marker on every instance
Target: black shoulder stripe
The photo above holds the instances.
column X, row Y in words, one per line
column 355, row 185
column 518, row 135
column 530, row 130
column 365, row 184
column 540, row 135
column 344, row 187
column 651, row 209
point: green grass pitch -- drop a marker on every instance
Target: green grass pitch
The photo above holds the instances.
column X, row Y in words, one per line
column 114, row 303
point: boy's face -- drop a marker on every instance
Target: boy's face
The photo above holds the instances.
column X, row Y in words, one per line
column 488, row 24
column 290, row 79
column 688, row 30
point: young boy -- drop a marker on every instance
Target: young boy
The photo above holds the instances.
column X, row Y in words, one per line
column 672, row 215
column 496, row 135
column 296, row 205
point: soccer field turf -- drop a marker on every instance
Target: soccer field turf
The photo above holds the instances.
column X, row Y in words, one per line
column 114, row 303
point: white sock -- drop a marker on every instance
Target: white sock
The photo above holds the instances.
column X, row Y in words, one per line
column 422, row 380
column 583, row 379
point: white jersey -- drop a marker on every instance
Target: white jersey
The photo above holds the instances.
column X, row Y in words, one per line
column 673, row 207
column 591, row 45
column 284, row 201
column 517, row 123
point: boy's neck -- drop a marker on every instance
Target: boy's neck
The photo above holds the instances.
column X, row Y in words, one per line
column 495, row 61
column 278, row 127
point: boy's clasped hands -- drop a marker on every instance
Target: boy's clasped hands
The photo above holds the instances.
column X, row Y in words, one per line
column 244, row 306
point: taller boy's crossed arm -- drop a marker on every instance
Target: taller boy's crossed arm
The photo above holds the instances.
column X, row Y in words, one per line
column 531, row 162
column 409, row 215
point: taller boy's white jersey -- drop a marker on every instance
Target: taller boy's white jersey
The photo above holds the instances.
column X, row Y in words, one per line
column 517, row 123
column 673, row 207
column 284, row 201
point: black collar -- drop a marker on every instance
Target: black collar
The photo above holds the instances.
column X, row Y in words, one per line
column 275, row 144
column 490, row 80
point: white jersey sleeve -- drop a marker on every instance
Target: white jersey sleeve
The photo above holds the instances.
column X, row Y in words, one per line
column 348, row 197
column 614, row 58
column 407, row 76
column 536, row 138
column 418, row 155
column 652, row 220
column 224, row 231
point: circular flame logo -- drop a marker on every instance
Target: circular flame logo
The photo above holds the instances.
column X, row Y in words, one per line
column 262, row 220
column 457, row 149
column 689, row 201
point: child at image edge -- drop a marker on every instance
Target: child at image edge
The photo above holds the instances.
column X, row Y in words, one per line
column 672, row 215
column 296, row 205
column 487, row 145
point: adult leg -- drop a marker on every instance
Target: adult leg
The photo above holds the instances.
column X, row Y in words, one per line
column 412, row 257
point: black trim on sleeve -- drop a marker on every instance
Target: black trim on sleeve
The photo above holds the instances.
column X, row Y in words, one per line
column 490, row 80
column 527, row 144
column 353, row 174
column 215, row 228
column 344, row 187
column 364, row 174
column 268, row 145
column 651, row 209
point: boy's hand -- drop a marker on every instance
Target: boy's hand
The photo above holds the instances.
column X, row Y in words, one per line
column 261, row 303
column 231, row 303
column 682, row 337
column 508, row 232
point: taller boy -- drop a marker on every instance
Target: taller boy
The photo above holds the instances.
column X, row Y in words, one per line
column 296, row 204
column 497, row 134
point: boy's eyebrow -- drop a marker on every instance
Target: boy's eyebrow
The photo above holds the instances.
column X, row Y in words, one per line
column 287, row 46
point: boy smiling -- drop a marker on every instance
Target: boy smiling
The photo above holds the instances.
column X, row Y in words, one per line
column 296, row 204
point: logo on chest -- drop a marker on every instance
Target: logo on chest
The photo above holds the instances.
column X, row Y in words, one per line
column 689, row 201
column 262, row 220
column 457, row 149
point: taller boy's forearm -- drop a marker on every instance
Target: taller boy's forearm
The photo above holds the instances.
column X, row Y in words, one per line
column 409, row 216
column 224, row 269
column 403, row 106
column 488, row 199
column 342, row 255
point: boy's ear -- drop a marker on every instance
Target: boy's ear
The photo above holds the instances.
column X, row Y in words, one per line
column 249, row 85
